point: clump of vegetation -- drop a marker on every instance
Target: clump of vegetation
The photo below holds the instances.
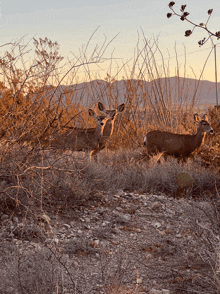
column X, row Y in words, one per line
column 61, row 182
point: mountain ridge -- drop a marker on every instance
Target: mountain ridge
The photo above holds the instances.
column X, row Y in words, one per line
column 88, row 93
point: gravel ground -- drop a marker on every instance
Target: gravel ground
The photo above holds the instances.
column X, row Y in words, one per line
column 125, row 243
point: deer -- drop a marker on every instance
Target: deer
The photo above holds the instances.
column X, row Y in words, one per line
column 108, row 128
column 82, row 139
column 178, row 145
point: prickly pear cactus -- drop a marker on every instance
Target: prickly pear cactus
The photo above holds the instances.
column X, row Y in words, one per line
column 184, row 180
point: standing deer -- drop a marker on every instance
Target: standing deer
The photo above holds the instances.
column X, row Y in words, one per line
column 79, row 139
column 178, row 145
column 109, row 126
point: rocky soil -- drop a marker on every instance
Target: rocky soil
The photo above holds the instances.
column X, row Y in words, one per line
column 122, row 243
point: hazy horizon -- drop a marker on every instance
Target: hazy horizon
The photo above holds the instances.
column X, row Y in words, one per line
column 71, row 24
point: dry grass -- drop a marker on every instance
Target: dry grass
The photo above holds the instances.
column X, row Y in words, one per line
column 64, row 180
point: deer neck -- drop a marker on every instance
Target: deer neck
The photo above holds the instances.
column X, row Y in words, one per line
column 199, row 138
column 99, row 130
column 108, row 129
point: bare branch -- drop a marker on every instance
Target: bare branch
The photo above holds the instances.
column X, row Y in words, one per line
column 201, row 25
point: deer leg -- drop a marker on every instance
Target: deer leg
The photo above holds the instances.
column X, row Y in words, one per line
column 93, row 154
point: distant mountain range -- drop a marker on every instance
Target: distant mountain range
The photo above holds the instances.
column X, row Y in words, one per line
column 88, row 93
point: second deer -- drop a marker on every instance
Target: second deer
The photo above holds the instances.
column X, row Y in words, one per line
column 178, row 145
column 80, row 139
column 109, row 126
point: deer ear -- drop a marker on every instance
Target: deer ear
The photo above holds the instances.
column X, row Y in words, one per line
column 101, row 106
column 205, row 117
column 91, row 112
column 121, row 107
column 197, row 117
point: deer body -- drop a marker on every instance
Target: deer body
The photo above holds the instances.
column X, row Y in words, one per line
column 179, row 145
column 109, row 126
column 79, row 139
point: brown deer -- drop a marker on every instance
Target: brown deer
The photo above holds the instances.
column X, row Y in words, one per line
column 108, row 128
column 178, row 145
column 80, row 139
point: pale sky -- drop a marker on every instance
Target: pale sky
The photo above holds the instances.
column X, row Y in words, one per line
column 71, row 23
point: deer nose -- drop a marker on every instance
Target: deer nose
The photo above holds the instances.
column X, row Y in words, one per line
column 212, row 132
column 102, row 124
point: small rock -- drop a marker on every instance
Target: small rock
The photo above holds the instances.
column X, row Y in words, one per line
column 62, row 236
column 15, row 219
column 154, row 291
column 101, row 210
column 71, row 236
column 178, row 235
column 128, row 195
column 67, row 226
column 72, row 224
column 115, row 231
column 80, row 232
column 96, row 242
column 18, row 242
column 117, row 196
column 156, row 205
column 148, row 256
column 105, row 223
column 184, row 180
column 87, row 220
column 4, row 217
column 165, row 291
column 115, row 212
column 3, row 183
column 139, row 280
column 10, row 290
column 56, row 241
column 75, row 263
column 37, row 246
column 156, row 224
column 120, row 192
column 87, row 227
column 145, row 197
column 127, row 217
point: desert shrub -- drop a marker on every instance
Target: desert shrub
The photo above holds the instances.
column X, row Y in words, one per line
column 33, row 272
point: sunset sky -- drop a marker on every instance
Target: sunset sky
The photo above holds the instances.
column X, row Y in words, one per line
column 72, row 22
